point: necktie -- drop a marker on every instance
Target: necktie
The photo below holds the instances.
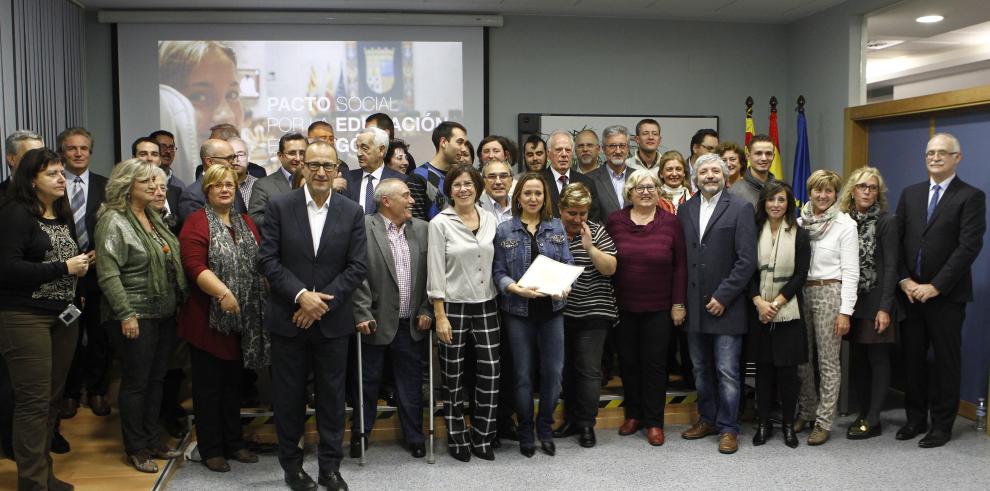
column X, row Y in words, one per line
column 369, row 196
column 79, row 213
column 931, row 210
column 563, row 183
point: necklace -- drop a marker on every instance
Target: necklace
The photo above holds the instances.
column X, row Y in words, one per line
column 161, row 241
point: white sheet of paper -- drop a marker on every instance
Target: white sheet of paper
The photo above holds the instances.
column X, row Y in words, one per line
column 549, row 276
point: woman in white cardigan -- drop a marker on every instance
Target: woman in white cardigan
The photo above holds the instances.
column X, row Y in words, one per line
column 829, row 300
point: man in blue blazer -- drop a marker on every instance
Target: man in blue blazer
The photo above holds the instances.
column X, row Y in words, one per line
column 372, row 143
column 314, row 254
column 720, row 234
column 941, row 221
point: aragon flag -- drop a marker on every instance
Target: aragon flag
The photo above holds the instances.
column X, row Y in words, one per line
column 750, row 127
column 776, row 168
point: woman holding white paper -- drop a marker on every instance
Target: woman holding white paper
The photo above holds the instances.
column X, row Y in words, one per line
column 534, row 321
column 650, row 289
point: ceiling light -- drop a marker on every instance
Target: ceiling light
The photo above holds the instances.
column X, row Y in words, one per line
column 879, row 44
column 929, row 19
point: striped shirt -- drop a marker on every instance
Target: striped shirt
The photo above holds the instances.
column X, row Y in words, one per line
column 400, row 254
column 592, row 294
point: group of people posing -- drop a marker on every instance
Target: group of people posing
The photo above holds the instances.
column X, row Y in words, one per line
column 708, row 254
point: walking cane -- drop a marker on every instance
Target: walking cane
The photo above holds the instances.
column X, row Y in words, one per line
column 360, row 402
column 430, row 457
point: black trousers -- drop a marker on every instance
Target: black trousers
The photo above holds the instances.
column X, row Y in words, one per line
column 772, row 379
column 641, row 339
column 933, row 388
column 91, row 364
column 407, row 363
column 216, row 402
column 584, row 341
column 289, row 373
column 144, row 361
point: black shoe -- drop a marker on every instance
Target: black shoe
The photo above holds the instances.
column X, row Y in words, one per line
column 59, row 444
column 527, row 451
column 418, row 450
column 934, row 439
column 508, row 431
column 484, row 453
column 909, row 431
column 549, row 448
column 332, row 480
column 790, row 437
column 565, row 430
column 356, row 447
column 299, row 481
column 587, row 437
column 861, row 430
column 462, row 454
column 496, row 442
column 175, row 427
column 763, row 432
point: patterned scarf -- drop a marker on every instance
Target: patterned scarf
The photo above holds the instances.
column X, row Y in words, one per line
column 818, row 225
column 232, row 260
column 164, row 262
column 776, row 257
column 867, row 225
column 675, row 196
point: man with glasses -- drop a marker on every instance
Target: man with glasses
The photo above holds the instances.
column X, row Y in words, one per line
column 245, row 181
column 758, row 173
column 372, row 142
column 941, row 222
column 648, row 140
column 498, row 190
column 611, row 177
column 291, row 153
column 588, row 150
column 166, row 151
column 703, row 142
column 212, row 152
column 560, row 174
column 314, row 254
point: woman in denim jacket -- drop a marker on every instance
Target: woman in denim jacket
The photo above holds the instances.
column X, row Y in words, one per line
column 533, row 320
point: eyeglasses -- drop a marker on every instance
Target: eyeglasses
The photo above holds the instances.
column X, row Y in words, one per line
column 867, row 187
column 226, row 158
column 294, row 153
column 166, row 147
column 617, row 146
column 939, row 153
column 709, row 148
column 463, row 185
column 224, row 185
column 645, row 189
column 505, row 176
column 326, row 166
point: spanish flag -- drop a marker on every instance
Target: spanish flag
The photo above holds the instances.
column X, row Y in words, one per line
column 776, row 168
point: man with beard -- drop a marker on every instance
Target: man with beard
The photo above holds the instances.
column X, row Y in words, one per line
column 534, row 154
column 611, row 177
column 588, row 150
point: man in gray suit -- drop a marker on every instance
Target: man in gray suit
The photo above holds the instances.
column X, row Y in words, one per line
column 610, row 179
column 720, row 234
column 291, row 153
column 393, row 312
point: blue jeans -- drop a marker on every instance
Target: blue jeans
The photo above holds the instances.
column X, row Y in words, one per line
column 527, row 338
column 716, row 375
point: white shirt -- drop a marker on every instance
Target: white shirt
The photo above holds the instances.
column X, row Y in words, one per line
column 71, row 184
column 618, row 184
column 942, row 187
column 377, row 175
column 835, row 256
column 459, row 262
column 556, row 179
column 490, row 205
column 317, row 219
column 707, row 209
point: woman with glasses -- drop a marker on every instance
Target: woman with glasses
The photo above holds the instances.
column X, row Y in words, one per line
column 650, row 290
column 874, row 321
column 459, row 267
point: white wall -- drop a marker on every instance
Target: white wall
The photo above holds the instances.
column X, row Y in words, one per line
column 942, row 84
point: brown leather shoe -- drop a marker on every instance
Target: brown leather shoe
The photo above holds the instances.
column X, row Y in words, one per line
column 727, row 443
column 630, row 426
column 245, row 456
column 654, row 435
column 67, row 408
column 217, row 464
column 99, row 405
column 700, row 429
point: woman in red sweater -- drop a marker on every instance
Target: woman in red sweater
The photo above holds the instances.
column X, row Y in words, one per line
column 222, row 319
column 650, row 288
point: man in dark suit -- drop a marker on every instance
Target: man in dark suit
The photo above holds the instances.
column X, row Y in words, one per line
column 314, row 254
column 372, row 143
column 942, row 222
column 392, row 310
column 291, row 153
column 720, row 235
column 559, row 174
column 611, row 177
column 86, row 191
column 212, row 152
column 17, row 144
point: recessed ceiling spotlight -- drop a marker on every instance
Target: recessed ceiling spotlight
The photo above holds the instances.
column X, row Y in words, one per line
column 929, row 19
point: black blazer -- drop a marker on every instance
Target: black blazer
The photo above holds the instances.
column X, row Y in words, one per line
column 355, row 187
column 609, row 202
column 172, row 195
column 88, row 285
column 949, row 243
column 286, row 258
column 594, row 213
column 886, row 260
column 802, row 263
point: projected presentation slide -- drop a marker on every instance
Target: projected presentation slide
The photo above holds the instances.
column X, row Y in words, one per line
column 269, row 88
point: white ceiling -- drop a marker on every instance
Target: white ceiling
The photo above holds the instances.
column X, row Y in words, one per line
column 927, row 50
column 763, row 11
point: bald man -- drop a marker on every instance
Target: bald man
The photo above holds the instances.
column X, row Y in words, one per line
column 212, row 152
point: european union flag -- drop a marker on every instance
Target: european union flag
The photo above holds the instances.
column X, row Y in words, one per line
column 802, row 160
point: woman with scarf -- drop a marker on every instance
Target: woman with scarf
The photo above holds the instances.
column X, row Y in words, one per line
column 674, row 187
column 784, row 253
column 138, row 267
column 874, row 321
column 222, row 319
column 829, row 299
